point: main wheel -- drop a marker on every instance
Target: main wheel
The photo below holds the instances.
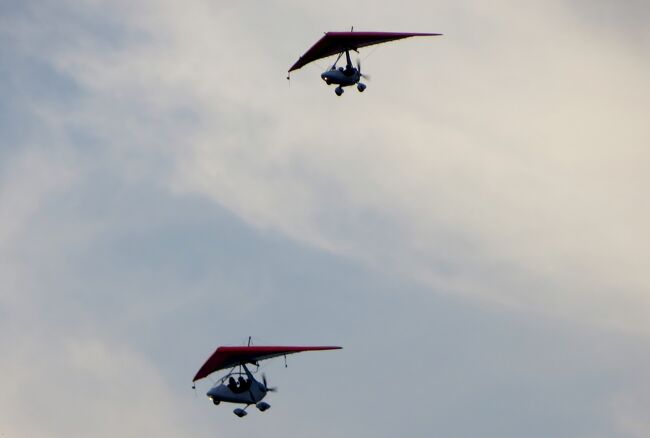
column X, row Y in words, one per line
column 263, row 406
column 361, row 87
column 338, row 91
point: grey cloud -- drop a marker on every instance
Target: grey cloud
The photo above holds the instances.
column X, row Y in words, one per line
column 182, row 195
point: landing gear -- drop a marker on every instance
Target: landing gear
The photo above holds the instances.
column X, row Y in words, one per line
column 263, row 406
column 338, row 90
column 240, row 412
column 361, row 87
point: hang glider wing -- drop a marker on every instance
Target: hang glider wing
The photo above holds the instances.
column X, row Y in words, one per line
column 228, row 357
column 333, row 43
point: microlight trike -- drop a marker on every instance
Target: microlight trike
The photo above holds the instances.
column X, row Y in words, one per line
column 239, row 385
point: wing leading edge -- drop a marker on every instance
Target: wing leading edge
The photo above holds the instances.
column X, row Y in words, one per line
column 333, row 43
column 228, row 357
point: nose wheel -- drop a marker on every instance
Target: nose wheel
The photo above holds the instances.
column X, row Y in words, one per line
column 338, row 91
column 361, row 87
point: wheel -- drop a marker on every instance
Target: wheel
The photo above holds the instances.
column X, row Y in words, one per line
column 338, row 91
column 263, row 406
column 361, row 87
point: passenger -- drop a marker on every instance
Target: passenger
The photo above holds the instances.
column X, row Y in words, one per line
column 232, row 385
column 243, row 384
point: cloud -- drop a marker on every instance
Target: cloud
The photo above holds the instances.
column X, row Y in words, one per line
column 516, row 175
column 161, row 173
column 518, row 181
column 83, row 386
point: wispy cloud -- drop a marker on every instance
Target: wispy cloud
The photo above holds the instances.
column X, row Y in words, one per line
column 157, row 164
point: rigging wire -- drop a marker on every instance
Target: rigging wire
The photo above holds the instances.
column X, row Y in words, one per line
column 371, row 52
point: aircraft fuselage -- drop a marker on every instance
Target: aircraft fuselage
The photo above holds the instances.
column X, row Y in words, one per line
column 341, row 76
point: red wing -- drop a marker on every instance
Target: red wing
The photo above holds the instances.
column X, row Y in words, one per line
column 228, row 357
column 334, row 43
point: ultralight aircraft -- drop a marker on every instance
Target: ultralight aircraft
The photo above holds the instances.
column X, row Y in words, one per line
column 340, row 43
column 239, row 385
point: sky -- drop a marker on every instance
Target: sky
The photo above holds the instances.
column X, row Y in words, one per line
column 472, row 229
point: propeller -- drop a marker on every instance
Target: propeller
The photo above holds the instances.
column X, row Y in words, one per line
column 266, row 387
column 366, row 77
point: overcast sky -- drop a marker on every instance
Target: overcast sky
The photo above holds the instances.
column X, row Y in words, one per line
column 472, row 229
